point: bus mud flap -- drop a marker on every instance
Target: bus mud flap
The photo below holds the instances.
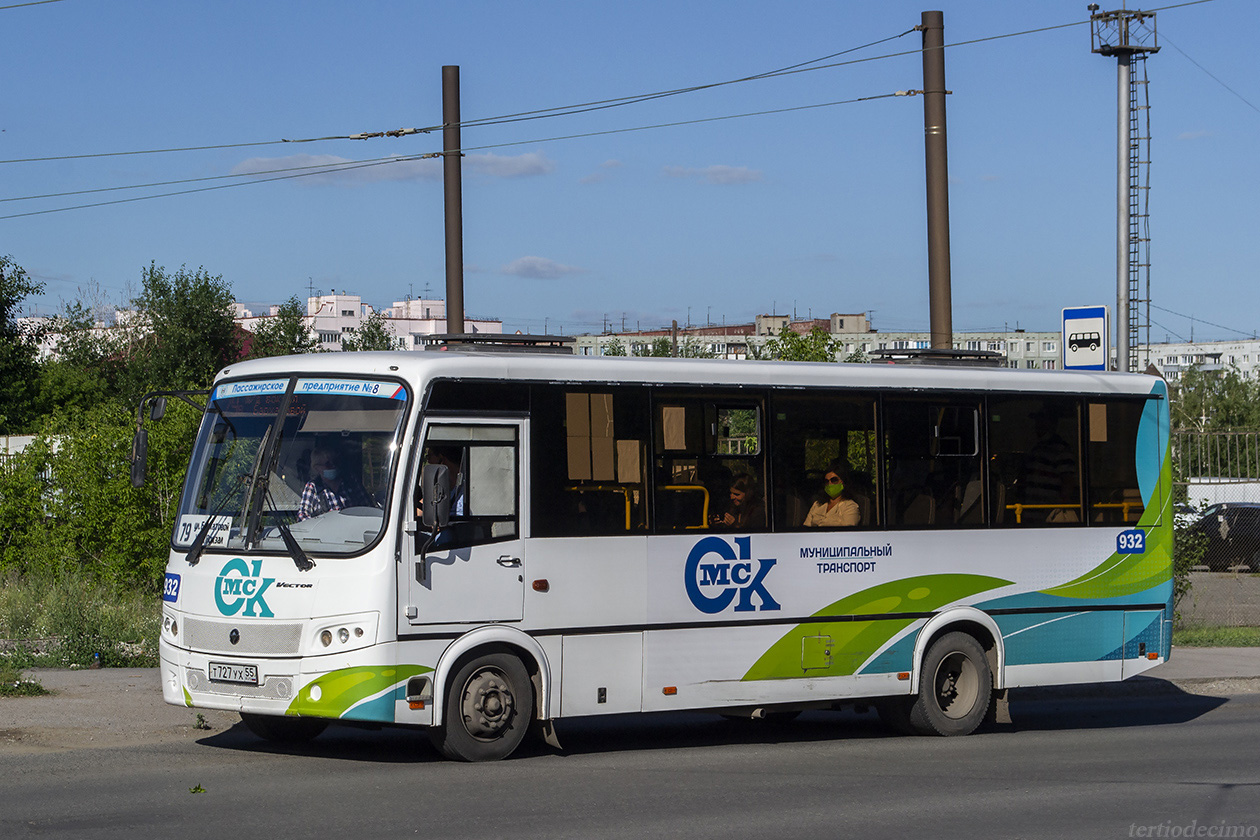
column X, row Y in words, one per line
column 546, row 730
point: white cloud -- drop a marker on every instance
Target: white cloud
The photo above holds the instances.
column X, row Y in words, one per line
column 603, row 174
column 539, row 268
column 717, row 174
column 518, row 166
column 332, row 169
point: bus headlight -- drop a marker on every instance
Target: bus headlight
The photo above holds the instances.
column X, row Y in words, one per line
column 170, row 627
column 345, row 633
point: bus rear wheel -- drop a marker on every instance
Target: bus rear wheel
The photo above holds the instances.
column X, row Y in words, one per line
column 489, row 705
column 283, row 730
column 955, row 687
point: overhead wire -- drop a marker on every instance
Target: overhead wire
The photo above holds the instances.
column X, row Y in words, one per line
column 31, row 3
column 331, row 166
column 564, row 110
column 350, row 166
column 322, row 169
column 1192, row 319
column 317, row 169
column 1248, row 102
column 567, row 110
column 587, row 107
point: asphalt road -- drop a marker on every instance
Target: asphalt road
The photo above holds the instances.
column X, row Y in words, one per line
column 1131, row 765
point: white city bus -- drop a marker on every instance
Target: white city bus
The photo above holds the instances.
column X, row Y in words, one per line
column 615, row 535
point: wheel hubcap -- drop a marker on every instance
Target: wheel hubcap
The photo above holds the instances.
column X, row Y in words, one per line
column 957, row 685
column 487, row 704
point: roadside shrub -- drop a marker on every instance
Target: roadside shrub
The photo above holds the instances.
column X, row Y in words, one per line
column 68, row 621
column 68, row 507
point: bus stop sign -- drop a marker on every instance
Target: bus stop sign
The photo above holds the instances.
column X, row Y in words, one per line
column 1085, row 334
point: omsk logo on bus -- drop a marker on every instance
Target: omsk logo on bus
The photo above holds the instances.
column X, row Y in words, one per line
column 716, row 575
column 238, row 586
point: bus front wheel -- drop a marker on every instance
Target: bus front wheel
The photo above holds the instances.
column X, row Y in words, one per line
column 955, row 687
column 283, row 730
column 489, row 705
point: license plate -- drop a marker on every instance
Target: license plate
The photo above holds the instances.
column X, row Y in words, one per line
column 241, row 674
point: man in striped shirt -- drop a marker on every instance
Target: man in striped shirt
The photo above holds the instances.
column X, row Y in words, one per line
column 329, row 488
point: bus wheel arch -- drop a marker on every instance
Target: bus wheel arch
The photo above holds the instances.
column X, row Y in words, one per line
column 967, row 620
column 490, row 705
column 488, row 642
column 955, row 686
column 958, row 663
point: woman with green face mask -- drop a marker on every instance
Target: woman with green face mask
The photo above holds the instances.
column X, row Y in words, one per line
column 834, row 508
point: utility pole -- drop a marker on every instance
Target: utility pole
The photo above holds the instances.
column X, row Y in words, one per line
column 937, row 168
column 1130, row 36
column 453, row 200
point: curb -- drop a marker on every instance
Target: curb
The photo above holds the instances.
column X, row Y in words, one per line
column 1141, row 686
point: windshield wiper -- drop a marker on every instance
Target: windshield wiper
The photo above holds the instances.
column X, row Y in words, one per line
column 257, row 487
column 300, row 558
column 199, row 544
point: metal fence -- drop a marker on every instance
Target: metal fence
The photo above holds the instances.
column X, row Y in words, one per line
column 1220, row 456
column 1217, row 476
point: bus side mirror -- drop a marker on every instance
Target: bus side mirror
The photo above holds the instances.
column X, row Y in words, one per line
column 158, row 409
column 139, row 452
column 435, row 484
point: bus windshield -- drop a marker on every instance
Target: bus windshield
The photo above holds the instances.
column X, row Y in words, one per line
column 315, row 454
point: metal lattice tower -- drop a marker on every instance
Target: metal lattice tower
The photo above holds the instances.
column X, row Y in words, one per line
column 1130, row 36
column 1139, row 215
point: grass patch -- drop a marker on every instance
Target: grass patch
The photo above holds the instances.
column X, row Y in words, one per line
column 67, row 621
column 13, row 685
column 1216, row 636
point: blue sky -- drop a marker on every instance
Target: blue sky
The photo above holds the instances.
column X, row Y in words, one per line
column 818, row 210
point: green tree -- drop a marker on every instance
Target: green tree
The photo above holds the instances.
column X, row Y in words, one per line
column 817, row 345
column 692, row 349
column 372, row 334
column 87, row 364
column 614, row 348
column 67, row 508
column 659, row 347
column 1215, row 400
column 284, row 334
column 186, row 331
column 19, row 353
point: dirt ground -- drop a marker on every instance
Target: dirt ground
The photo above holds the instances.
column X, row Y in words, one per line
column 106, row 708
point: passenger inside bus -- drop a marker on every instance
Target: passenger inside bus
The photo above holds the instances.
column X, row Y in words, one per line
column 332, row 486
column 835, row 508
column 747, row 511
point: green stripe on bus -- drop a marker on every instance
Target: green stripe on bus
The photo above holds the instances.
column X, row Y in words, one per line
column 850, row 643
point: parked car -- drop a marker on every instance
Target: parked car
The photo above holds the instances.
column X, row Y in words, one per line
column 1232, row 531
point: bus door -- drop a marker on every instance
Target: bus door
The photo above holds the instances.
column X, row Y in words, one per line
column 473, row 569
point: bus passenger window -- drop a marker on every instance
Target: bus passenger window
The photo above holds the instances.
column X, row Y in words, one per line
column 1115, row 496
column 588, row 460
column 933, row 462
column 1035, row 462
column 817, row 435
column 482, row 463
column 709, row 470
